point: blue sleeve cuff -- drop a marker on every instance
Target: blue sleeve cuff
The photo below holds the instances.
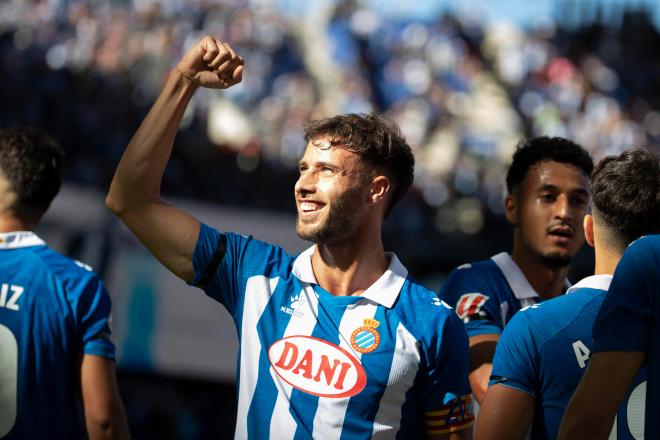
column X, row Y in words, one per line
column 474, row 328
column 511, row 384
column 100, row 347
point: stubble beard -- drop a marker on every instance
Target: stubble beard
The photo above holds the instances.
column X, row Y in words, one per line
column 339, row 224
column 556, row 260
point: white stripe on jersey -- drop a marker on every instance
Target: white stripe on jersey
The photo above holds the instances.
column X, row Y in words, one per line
column 405, row 365
column 330, row 414
column 258, row 291
column 282, row 424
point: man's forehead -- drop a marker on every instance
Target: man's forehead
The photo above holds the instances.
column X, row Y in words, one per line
column 552, row 170
column 327, row 149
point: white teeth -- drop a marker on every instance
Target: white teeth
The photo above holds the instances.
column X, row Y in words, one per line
column 309, row 206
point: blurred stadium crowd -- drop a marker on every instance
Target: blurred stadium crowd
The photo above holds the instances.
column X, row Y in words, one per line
column 463, row 91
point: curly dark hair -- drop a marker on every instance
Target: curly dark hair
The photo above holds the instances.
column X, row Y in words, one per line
column 626, row 195
column 377, row 140
column 32, row 164
column 543, row 149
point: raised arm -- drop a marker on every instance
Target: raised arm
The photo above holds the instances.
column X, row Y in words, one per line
column 169, row 233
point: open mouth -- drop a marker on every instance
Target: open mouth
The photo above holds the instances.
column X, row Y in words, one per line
column 309, row 207
column 561, row 233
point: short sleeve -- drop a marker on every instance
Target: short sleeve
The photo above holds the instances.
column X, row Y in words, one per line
column 516, row 361
column 92, row 306
column 224, row 261
column 465, row 290
column 445, row 389
column 624, row 320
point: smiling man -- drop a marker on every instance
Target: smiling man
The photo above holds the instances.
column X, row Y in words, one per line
column 547, row 200
column 337, row 342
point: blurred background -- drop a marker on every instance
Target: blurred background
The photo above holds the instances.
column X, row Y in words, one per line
column 464, row 80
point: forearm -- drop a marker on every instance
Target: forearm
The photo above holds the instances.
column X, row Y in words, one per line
column 482, row 352
column 140, row 171
column 479, row 378
column 115, row 427
column 104, row 411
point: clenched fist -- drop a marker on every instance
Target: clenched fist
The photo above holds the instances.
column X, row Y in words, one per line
column 211, row 63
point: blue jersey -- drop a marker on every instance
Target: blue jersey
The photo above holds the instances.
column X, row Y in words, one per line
column 487, row 294
column 392, row 361
column 52, row 310
column 629, row 319
column 544, row 351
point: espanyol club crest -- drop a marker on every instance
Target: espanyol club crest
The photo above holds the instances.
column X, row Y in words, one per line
column 366, row 339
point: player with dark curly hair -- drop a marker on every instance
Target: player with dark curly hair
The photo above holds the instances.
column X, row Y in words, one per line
column 55, row 347
column 548, row 197
column 544, row 350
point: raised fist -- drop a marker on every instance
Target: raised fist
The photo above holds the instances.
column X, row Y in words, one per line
column 211, row 63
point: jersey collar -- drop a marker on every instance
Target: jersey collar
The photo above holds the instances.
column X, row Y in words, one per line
column 19, row 239
column 516, row 279
column 600, row 282
column 384, row 291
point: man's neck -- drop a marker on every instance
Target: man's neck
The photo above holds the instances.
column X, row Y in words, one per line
column 9, row 223
column 349, row 269
column 548, row 281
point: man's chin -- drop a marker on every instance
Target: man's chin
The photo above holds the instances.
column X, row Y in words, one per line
column 557, row 259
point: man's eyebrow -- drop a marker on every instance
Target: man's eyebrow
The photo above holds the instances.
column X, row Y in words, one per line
column 551, row 187
column 581, row 191
column 547, row 187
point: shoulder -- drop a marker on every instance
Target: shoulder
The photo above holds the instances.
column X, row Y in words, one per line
column 238, row 249
column 64, row 268
column 643, row 251
column 474, row 271
column 549, row 317
column 478, row 277
column 422, row 312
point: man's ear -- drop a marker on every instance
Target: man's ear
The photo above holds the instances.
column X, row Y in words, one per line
column 588, row 224
column 380, row 188
column 511, row 209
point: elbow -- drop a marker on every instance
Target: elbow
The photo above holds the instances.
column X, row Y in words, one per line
column 101, row 427
column 114, row 205
column 120, row 204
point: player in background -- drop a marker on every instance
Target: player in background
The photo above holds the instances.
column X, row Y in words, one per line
column 547, row 199
column 626, row 336
column 55, row 346
column 544, row 350
column 338, row 341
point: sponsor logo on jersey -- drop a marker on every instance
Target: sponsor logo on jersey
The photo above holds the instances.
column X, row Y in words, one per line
column 294, row 304
column 470, row 304
column 317, row 367
column 366, row 339
column 438, row 302
column 87, row 267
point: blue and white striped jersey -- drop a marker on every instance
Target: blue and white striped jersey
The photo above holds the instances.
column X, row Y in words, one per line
column 486, row 294
column 393, row 361
column 52, row 310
